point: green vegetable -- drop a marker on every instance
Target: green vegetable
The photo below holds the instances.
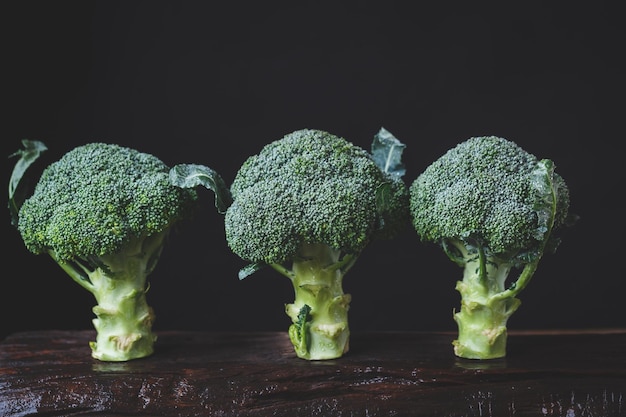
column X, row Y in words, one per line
column 308, row 205
column 103, row 213
column 493, row 208
column 17, row 191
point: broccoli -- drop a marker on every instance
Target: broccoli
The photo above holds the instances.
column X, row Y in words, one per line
column 307, row 205
column 493, row 208
column 103, row 213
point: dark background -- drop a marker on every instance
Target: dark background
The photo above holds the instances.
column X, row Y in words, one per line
column 212, row 82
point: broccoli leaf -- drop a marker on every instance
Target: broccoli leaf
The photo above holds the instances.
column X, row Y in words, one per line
column 298, row 331
column 545, row 204
column 387, row 153
column 192, row 175
column 250, row 269
column 384, row 197
column 31, row 152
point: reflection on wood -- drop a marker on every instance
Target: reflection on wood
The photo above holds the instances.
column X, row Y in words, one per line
column 566, row 373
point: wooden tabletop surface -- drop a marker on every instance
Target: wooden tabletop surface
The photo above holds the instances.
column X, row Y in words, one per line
column 546, row 373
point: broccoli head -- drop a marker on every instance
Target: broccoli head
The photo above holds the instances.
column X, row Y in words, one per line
column 307, row 205
column 492, row 207
column 103, row 212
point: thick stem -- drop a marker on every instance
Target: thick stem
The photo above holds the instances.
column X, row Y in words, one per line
column 317, row 284
column 123, row 320
column 482, row 321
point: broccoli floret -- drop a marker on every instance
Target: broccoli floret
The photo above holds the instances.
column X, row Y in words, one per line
column 307, row 205
column 493, row 208
column 103, row 213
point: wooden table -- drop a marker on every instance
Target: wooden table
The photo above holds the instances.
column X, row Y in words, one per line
column 547, row 373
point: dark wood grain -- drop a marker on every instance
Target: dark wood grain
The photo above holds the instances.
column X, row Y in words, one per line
column 573, row 373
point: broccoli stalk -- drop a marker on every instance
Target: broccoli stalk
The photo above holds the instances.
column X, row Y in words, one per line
column 482, row 321
column 320, row 309
column 103, row 213
column 124, row 319
column 493, row 208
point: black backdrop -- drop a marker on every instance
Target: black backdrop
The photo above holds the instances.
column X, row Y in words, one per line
column 212, row 82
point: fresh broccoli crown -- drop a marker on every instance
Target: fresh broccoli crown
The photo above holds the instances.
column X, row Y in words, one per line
column 481, row 191
column 96, row 198
column 310, row 187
